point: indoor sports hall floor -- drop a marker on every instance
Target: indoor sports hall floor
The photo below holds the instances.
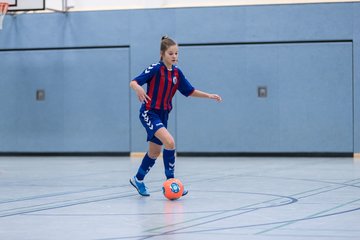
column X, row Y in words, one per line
column 229, row 198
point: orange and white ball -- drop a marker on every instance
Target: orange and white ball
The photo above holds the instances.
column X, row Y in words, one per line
column 173, row 188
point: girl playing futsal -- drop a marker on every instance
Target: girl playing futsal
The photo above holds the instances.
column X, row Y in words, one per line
column 163, row 79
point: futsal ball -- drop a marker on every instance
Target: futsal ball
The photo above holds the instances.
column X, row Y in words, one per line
column 173, row 188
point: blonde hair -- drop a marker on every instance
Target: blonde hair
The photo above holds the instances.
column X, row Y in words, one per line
column 166, row 42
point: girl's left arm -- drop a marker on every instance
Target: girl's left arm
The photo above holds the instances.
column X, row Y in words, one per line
column 200, row 94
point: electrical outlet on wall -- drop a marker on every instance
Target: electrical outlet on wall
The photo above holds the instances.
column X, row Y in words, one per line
column 40, row 95
column 262, row 91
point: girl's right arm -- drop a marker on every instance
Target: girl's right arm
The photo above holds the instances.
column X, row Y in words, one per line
column 140, row 92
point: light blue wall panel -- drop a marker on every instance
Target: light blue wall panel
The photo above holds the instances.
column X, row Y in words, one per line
column 102, row 28
column 86, row 103
column 96, row 97
column 356, row 46
column 308, row 108
column 301, row 22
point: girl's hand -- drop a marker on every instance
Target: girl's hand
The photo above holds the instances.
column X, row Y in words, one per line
column 141, row 94
column 215, row 97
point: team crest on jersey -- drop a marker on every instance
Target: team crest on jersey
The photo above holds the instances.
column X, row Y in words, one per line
column 174, row 79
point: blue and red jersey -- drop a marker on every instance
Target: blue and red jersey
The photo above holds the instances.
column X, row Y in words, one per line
column 162, row 85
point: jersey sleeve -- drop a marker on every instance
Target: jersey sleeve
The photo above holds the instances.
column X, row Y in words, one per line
column 147, row 74
column 185, row 86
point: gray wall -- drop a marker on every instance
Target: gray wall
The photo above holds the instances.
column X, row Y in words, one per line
column 306, row 55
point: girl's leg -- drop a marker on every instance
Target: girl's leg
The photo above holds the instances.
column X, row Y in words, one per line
column 154, row 150
column 148, row 160
column 166, row 138
column 168, row 152
column 146, row 164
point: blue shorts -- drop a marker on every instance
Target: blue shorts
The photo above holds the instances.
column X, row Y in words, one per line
column 153, row 120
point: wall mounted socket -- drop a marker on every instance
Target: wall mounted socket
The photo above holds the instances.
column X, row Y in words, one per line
column 40, row 95
column 262, row 91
